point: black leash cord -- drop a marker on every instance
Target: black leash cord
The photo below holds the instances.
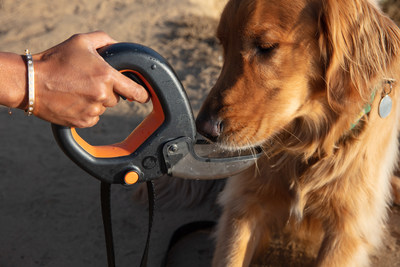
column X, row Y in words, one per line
column 105, row 190
column 151, row 198
column 105, row 195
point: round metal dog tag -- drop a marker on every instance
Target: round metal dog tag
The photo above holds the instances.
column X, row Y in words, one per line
column 385, row 106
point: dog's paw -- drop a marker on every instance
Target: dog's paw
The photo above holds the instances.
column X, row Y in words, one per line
column 396, row 190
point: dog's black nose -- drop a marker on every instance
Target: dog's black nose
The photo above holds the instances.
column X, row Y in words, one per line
column 209, row 126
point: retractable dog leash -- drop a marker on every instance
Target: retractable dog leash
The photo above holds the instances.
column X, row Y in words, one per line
column 163, row 144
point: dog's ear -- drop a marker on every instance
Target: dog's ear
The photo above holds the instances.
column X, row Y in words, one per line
column 358, row 44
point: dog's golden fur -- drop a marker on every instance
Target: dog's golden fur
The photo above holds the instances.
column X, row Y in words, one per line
column 296, row 76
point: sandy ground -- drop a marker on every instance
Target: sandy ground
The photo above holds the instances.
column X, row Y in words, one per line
column 50, row 211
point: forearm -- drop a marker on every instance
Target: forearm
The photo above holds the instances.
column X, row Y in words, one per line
column 13, row 77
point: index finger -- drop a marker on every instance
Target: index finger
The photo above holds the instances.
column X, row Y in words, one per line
column 129, row 89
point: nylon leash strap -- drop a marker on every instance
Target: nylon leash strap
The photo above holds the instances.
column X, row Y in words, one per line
column 105, row 195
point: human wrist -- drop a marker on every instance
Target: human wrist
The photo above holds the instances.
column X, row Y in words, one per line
column 13, row 77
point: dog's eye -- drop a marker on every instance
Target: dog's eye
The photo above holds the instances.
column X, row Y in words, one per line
column 266, row 48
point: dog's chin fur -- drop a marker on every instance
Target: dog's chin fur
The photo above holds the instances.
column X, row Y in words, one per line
column 296, row 76
column 252, row 148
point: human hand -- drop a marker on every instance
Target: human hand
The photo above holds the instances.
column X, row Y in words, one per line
column 74, row 85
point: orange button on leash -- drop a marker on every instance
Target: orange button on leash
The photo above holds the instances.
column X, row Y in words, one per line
column 131, row 177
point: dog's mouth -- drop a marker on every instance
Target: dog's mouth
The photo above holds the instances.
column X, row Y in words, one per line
column 230, row 135
column 215, row 148
column 224, row 141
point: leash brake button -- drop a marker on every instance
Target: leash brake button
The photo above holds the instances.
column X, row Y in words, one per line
column 131, row 177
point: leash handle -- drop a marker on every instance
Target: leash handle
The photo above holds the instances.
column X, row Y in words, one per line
column 138, row 158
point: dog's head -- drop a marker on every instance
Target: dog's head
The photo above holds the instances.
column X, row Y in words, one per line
column 293, row 68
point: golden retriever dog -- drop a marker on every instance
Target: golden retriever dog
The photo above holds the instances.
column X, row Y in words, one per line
column 315, row 84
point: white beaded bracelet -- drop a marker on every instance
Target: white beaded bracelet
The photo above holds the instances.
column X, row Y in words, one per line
column 31, row 83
